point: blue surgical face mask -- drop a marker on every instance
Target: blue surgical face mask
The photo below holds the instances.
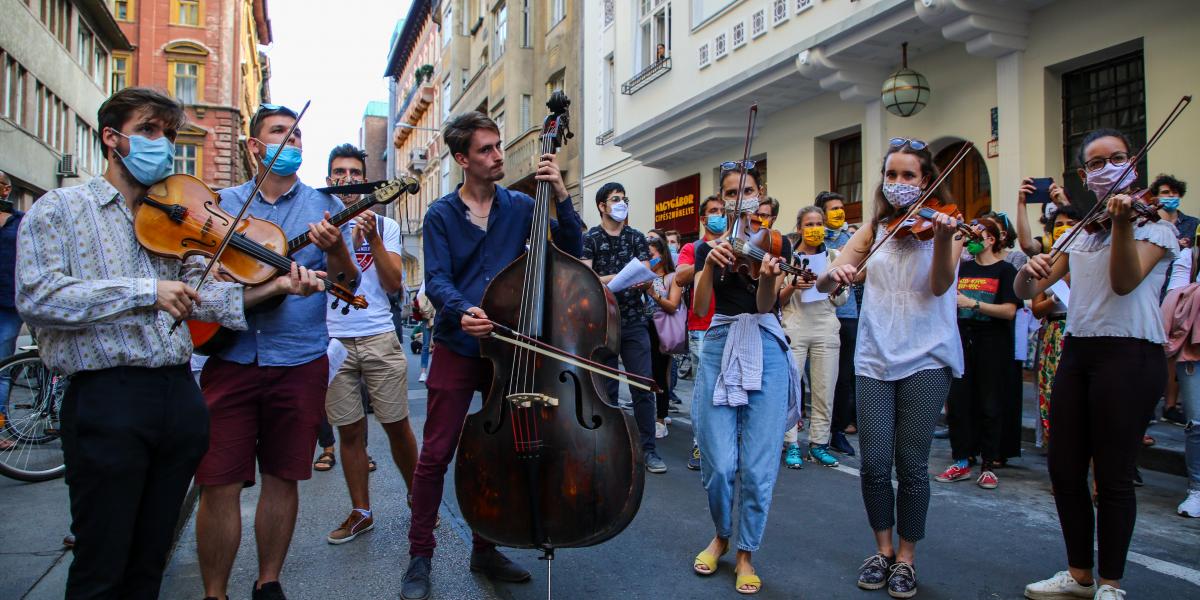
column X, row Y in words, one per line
column 289, row 161
column 1168, row 202
column 715, row 224
column 654, row 261
column 149, row 161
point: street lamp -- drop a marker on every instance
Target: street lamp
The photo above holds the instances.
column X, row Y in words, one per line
column 407, row 126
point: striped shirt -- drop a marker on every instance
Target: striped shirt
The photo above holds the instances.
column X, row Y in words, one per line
column 88, row 288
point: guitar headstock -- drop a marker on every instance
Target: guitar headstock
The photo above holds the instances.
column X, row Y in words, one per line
column 386, row 192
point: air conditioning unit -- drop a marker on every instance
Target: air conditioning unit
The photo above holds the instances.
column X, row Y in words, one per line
column 66, row 166
column 418, row 159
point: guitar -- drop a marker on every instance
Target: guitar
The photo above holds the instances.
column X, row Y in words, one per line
column 210, row 338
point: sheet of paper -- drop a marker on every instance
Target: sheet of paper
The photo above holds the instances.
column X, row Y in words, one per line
column 337, row 355
column 1062, row 291
column 631, row 274
column 817, row 263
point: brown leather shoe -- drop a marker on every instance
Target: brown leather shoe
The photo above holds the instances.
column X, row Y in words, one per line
column 354, row 524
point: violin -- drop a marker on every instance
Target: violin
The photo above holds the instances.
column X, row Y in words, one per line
column 547, row 462
column 180, row 217
column 751, row 250
column 921, row 225
column 805, row 274
column 1142, row 213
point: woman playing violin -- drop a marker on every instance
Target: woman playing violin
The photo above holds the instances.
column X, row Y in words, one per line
column 908, row 350
column 812, row 326
column 743, row 402
column 1112, row 371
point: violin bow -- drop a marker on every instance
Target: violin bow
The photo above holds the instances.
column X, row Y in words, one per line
column 735, row 227
column 258, row 181
column 1101, row 204
column 915, row 207
column 511, row 336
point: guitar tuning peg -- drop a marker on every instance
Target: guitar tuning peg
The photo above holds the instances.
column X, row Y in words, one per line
column 341, row 277
column 334, row 304
column 345, row 310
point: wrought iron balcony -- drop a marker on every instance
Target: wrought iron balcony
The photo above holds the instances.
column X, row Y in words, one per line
column 656, row 69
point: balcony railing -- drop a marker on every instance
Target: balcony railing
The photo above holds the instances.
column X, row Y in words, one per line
column 656, row 69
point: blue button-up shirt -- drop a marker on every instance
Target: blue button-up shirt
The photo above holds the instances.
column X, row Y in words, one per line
column 461, row 259
column 8, row 260
column 837, row 239
column 294, row 332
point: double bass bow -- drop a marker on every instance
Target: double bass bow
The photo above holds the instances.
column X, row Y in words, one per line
column 548, row 463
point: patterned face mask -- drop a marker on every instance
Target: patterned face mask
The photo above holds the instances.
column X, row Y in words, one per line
column 900, row 195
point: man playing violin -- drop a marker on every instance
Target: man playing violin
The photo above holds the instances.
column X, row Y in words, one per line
column 266, row 390
column 470, row 235
column 134, row 424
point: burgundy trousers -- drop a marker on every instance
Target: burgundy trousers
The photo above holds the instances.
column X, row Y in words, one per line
column 453, row 380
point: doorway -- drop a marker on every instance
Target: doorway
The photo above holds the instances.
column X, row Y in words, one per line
column 969, row 184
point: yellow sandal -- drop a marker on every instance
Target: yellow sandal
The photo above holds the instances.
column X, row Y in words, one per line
column 748, row 579
column 708, row 560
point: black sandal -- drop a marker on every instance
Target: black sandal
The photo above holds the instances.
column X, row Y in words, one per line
column 325, row 461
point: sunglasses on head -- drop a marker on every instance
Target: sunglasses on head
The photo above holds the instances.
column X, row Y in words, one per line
column 911, row 143
column 731, row 165
column 265, row 110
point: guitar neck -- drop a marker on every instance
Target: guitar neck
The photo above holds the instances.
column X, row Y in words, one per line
column 337, row 220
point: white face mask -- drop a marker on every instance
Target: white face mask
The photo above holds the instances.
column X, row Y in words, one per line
column 1099, row 182
column 901, row 194
column 619, row 212
column 749, row 203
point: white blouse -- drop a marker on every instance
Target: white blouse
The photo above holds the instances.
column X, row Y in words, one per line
column 1097, row 311
column 902, row 327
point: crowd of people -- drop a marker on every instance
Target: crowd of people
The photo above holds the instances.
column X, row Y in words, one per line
column 930, row 328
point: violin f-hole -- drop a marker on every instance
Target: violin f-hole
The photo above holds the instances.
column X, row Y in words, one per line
column 578, row 397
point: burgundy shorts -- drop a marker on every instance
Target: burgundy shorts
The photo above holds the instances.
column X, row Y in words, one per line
column 268, row 413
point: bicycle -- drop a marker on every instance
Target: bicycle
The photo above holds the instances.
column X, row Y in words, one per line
column 32, row 418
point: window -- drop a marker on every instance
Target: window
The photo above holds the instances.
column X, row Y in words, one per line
column 526, row 108
column 500, row 16
column 100, row 67
column 448, row 24
column 188, row 158
column 120, row 71
column 185, row 80
column 610, row 94
column 703, row 10
column 739, row 34
column 83, row 144
column 779, row 12
column 721, row 45
column 445, row 175
column 758, row 23
column 525, row 41
column 558, row 12
column 555, row 83
column 1107, row 94
column 14, row 90
column 97, row 154
column 845, row 172
column 123, row 10
column 499, row 119
column 446, row 100
column 56, row 15
column 655, row 24
column 186, row 12
column 703, row 56
column 84, row 46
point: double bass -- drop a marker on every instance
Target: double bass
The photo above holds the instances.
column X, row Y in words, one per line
column 548, row 463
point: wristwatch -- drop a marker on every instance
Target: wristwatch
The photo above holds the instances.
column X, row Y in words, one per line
column 976, row 309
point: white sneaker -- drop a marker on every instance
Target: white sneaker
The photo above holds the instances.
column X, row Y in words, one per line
column 660, row 430
column 1190, row 507
column 421, row 378
column 1061, row 586
column 1108, row 592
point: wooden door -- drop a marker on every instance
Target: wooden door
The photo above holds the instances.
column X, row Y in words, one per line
column 969, row 185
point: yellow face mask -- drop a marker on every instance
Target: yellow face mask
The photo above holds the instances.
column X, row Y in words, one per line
column 835, row 218
column 813, row 236
column 1058, row 232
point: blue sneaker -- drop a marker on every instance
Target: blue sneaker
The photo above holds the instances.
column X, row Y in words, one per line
column 839, row 443
column 819, row 453
column 694, row 460
column 793, row 458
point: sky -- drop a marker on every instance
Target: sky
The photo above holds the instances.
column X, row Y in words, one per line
column 333, row 53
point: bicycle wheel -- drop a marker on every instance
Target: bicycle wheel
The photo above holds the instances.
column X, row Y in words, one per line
column 32, row 422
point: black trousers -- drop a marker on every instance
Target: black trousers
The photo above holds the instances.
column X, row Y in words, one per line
column 1104, row 393
column 660, row 369
column 132, row 438
column 843, row 390
column 977, row 399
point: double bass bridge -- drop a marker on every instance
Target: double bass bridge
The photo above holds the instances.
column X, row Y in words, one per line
column 527, row 400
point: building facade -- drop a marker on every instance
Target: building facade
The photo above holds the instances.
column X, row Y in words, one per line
column 205, row 53
column 373, row 139
column 1023, row 81
column 414, row 122
column 55, row 56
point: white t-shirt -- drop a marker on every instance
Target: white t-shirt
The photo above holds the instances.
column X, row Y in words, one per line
column 377, row 317
column 1096, row 310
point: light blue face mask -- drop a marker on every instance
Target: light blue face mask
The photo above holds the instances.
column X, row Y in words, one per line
column 1171, row 203
column 149, row 161
column 289, row 161
column 654, row 261
column 715, row 224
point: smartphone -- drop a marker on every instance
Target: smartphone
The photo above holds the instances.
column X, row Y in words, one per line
column 1041, row 191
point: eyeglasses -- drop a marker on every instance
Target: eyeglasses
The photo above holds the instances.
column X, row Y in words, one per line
column 731, row 165
column 914, row 144
column 1117, row 159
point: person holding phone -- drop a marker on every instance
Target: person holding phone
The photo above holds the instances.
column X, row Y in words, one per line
column 1038, row 190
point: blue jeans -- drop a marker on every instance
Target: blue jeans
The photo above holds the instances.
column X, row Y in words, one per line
column 741, row 442
column 426, row 344
column 1189, row 396
column 635, row 357
column 695, row 341
column 10, row 328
